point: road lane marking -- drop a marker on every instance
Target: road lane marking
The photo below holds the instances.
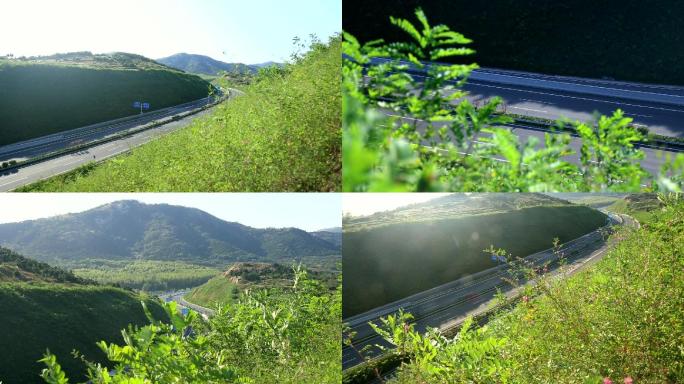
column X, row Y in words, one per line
column 13, row 181
column 575, row 97
column 528, row 109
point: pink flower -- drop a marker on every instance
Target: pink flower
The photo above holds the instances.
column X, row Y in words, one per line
column 525, row 299
column 628, row 380
column 607, row 380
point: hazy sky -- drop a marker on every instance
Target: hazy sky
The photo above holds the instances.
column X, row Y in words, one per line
column 363, row 204
column 308, row 211
column 247, row 31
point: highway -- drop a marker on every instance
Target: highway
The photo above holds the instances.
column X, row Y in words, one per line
column 447, row 305
column 54, row 142
column 12, row 179
column 660, row 107
column 177, row 296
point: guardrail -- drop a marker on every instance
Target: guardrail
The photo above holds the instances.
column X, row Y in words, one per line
column 114, row 137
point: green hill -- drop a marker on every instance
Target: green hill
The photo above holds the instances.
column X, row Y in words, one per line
column 45, row 95
column 225, row 288
column 204, row 64
column 283, row 134
column 392, row 261
column 43, row 307
column 129, row 230
column 15, row 267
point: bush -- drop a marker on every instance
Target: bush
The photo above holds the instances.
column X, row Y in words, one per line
column 461, row 147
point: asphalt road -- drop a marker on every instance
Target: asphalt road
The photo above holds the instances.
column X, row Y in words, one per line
column 10, row 180
column 54, row 142
column 447, row 305
column 660, row 107
column 662, row 119
column 177, row 296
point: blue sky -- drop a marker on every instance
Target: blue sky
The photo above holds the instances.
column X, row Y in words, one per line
column 308, row 211
column 246, row 31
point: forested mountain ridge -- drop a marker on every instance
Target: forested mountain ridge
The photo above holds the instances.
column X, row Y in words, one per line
column 129, row 229
column 208, row 66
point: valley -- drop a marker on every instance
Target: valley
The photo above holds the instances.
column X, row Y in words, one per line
column 81, row 277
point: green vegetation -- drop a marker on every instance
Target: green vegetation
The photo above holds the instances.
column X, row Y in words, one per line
column 219, row 291
column 463, row 147
column 61, row 317
column 282, row 135
column 639, row 206
column 538, row 36
column 390, row 251
column 15, row 267
column 131, row 231
column 276, row 336
column 619, row 320
column 225, row 288
column 204, row 65
column 147, row 275
column 51, row 94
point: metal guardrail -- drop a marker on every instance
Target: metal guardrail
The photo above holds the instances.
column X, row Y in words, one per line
column 117, row 136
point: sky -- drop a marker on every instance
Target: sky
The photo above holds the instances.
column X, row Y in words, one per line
column 245, row 31
column 364, row 204
column 307, row 211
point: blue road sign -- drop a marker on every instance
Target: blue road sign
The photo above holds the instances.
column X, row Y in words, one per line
column 136, row 104
column 146, row 105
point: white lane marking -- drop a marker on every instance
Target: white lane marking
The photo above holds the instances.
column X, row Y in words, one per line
column 13, row 181
column 575, row 97
column 527, row 109
column 636, row 114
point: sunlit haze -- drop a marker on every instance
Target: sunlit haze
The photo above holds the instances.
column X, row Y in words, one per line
column 249, row 32
column 363, row 204
column 308, row 211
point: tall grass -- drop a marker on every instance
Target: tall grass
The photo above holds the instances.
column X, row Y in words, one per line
column 284, row 134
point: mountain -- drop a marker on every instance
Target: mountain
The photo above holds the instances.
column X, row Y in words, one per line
column 51, row 94
column 130, row 230
column 208, row 66
column 332, row 235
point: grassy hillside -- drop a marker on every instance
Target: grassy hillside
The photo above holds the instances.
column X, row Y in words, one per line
column 390, row 262
column 285, row 336
column 639, row 206
column 44, row 96
column 225, row 288
column 15, row 267
column 574, row 37
column 217, row 291
column 35, row 317
column 619, row 321
column 284, row 134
